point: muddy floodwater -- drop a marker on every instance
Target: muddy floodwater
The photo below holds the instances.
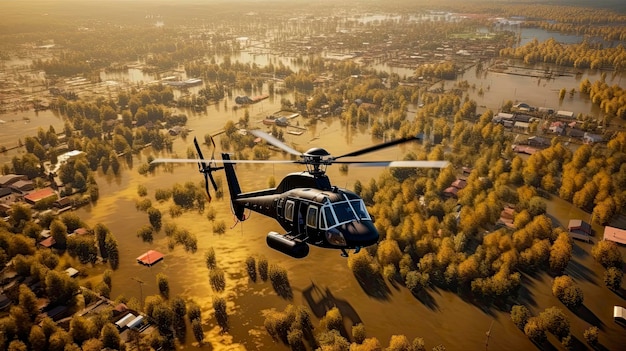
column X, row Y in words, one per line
column 323, row 279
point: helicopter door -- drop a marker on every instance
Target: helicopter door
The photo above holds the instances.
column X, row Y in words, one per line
column 302, row 208
column 311, row 220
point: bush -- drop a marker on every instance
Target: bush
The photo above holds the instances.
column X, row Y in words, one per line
column 217, row 280
column 219, row 227
column 209, row 258
column 567, row 292
column 520, row 315
column 280, row 281
column 219, row 306
column 263, row 268
column 591, row 335
column 607, row 254
column 251, row 268
column 416, row 281
column 358, row 333
column 613, row 278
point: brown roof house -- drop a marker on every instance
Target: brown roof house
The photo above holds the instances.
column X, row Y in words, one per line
column 40, row 194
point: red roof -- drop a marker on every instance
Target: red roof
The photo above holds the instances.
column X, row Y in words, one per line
column 40, row 194
column 149, row 258
column 48, row 242
column 615, row 234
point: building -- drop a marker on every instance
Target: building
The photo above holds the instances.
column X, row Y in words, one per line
column 39, row 195
column 564, row 114
column 615, row 234
column 579, row 229
column 7, row 180
column 150, row 257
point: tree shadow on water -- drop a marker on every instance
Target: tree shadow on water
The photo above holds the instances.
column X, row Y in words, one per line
column 589, row 317
column 321, row 301
column 373, row 285
column 425, row 297
column 580, row 272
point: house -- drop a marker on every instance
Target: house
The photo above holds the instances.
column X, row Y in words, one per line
column 460, row 183
column 564, row 114
column 589, row 138
column 150, row 257
column 72, row 272
column 579, row 229
column 47, row 242
column 501, row 117
column 451, row 192
column 538, row 141
column 123, row 322
column 23, row 186
column 6, row 195
column 522, row 127
column 578, row 225
column 39, row 195
column 615, row 234
column 619, row 314
column 7, row 180
column 557, row 127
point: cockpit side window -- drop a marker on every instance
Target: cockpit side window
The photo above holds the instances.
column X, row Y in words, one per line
column 311, row 217
column 289, row 210
column 359, row 207
column 330, row 218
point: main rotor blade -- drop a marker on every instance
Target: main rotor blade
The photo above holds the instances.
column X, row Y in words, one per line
column 201, row 163
column 407, row 164
column 191, row 160
column 274, row 141
column 378, row 147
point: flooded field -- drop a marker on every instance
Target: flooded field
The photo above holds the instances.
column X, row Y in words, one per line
column 323, row 279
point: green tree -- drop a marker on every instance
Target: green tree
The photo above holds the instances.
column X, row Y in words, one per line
column 37, row 339
column 607, row 254
column 163, row 284
column 358, row 333
column 221, row 315
column 613, row 278
column 28, row 301
column 82, row 329
column 110, row 337
column 560, row 253
column 591, row 335
column 566, row 290
column 520, row 315
column 555, row 321
column 535, row 330
column 154, row 216
column 58, row 231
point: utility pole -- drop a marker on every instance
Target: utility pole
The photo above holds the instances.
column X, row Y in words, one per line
column 141, row 283
column 488, row 333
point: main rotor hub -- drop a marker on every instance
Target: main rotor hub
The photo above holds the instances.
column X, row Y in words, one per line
column 315, row 161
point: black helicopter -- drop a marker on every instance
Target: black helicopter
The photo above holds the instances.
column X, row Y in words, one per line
column 309, row 208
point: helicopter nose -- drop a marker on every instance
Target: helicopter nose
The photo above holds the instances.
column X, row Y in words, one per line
column 359, row 233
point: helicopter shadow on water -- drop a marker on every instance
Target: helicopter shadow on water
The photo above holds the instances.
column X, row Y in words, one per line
column 321, row 301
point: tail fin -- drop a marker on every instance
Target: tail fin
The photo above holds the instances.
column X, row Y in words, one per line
column 233, row 187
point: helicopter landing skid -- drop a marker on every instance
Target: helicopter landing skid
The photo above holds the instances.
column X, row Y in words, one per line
column 344, row 253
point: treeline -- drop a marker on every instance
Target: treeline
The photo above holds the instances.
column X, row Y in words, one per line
column 583, row 55
column 610, row 99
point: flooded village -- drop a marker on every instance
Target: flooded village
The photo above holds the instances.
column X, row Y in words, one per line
column 518, row 244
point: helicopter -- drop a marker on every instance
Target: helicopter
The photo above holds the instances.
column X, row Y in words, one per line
column 307, row 206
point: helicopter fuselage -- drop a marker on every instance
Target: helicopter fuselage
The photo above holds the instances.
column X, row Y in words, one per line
column 311, row 211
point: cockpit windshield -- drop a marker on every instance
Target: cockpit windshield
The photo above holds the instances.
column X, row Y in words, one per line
column 345, row 211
